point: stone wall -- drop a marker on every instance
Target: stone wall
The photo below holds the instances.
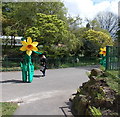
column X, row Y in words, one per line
column 94, row 98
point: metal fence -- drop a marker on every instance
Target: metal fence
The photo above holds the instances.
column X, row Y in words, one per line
column 13, row 64
column 112, row 61
column 112, row 58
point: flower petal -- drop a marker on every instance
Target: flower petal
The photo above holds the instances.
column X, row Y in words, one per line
column 35, row 49
column 104, row 49
column 100, row 52
column 101, row 49
column 23, row 48
column 24, row 43
column 28, row 52
column 35, row 44
column 29, row 40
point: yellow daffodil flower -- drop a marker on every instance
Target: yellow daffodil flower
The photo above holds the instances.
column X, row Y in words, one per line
column 103, row 51
column 29, row 46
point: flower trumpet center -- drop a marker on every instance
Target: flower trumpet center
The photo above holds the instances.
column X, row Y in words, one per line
column 104, row 52
column 29, row 47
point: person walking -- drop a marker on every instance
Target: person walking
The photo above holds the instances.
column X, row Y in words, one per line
column 43, row 63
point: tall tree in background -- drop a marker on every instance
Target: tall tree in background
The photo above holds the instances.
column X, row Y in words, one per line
column 53, row 35
column 52, row 8
column 95, row 25
column 74, row 23
column 93, row 41
column 108, row 21
column 20, row 15
column 118, row 32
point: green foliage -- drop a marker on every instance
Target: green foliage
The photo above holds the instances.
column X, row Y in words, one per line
column 13, row 64
column 113, row 82
column 118, row 34
column 99, row 38
column 53, row 8
column 11, row 52
column 52, row 33
column 8, row 108
column 94, row 40
column 112, row 78
column 100, row 96
column 95, row 112
column 20, row 15
column 46, row 22
column 74, row 23
column 46, row 28
column 93, row 24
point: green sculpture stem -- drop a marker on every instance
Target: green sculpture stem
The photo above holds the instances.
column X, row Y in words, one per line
column 28, row 68
column 103, row 60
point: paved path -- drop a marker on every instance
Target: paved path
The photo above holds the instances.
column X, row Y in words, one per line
column 47, row 95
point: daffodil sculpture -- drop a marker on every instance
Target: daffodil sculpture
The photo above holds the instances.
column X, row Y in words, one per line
column 103, row 51
column 29, row 46
column 26, row 65
column 103, row 56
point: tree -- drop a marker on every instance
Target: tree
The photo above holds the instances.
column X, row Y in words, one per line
column 20, row 15
column 108, row 21
column 94, row 40
column 52, row 33
column 117, row 41
column 93, row 24
column 53, row 8
column 74, row 23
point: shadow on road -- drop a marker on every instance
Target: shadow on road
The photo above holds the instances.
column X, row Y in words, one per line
column 67, row 109
column 18, row 81
column 12, row 81
column 38, row 76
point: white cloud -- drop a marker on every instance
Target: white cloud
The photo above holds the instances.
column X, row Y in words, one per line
column 89, row 8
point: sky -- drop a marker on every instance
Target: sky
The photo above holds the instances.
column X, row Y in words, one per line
column 89, row 8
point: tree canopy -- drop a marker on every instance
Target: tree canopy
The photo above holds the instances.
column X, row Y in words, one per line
column 20, row 15
column 94, row 40
column 108, row 21
column 58, row 34
column 52, row 33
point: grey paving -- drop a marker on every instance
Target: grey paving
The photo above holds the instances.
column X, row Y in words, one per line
column 47, row 95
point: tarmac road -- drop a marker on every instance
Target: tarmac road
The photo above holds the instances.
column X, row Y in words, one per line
column 47, row 95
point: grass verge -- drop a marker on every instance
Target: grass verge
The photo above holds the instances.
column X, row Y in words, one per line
column 8, row 108
column 112, row 78
column 10, row 69
column 76, row 64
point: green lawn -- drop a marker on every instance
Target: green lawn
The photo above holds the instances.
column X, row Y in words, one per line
column 112, row 79
column 77, row 64
column 7, row 108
